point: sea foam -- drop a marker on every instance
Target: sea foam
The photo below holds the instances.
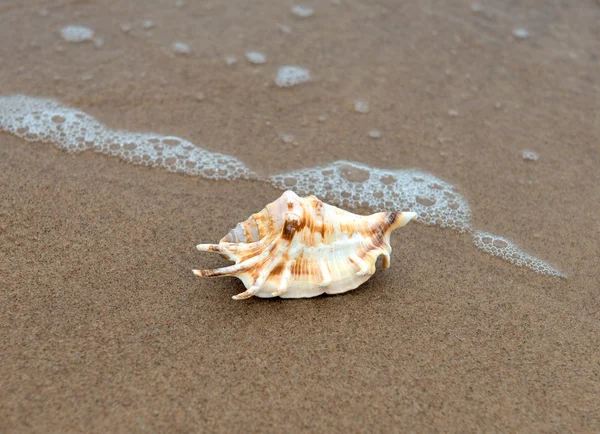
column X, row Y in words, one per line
column 342, row 183
column 256, row 57
column 302, row 11
column 45, row 120
column 181, row 48
column 436, row 202
column 354, row 185
column 76, row 33
column 289, row 76
column 499, row 246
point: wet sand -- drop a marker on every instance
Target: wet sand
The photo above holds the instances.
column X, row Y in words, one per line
column 105, row 329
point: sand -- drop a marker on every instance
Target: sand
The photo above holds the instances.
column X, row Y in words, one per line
column 104, row 327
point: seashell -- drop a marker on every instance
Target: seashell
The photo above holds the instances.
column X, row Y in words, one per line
column 301, row 247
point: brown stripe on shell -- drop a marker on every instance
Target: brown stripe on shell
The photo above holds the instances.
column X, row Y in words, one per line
column 263, row 228
column 279, row 268
column 295, row 269
column 277, row 272
column 254, row 272
column 348, row 228
column 306, row 269
column 391, row 217
column 249, row 252
column 353, row 262
column 247, row 231
column 317, row 221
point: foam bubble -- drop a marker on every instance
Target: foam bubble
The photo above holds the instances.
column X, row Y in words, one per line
column 302, row 11
column 355, row 185
column 289, row 76
column 181, row 48
column 374, row 134
column 230, row 60
column 148, row 24
column 46, row 120
column 530, row 155
column 287, row 138
column 256, row 57
column 520, row 33
column 507, row 250
column 361, row 106
column 76, row 33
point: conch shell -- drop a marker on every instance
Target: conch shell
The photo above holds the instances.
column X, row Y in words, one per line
column 301, row 247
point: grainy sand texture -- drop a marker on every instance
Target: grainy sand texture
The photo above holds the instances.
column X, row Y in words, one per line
column 104, row 328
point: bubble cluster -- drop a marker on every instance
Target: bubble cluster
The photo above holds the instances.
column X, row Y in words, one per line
column 287, row 138
column 521, row 33
column 361, row 106
column 256, row 57
column 530, row 155
column 505, row 249
column 374, row 134
column 46, row 120
column 302, row 11
column 181, row 48
column 76, row 33
column 354, row 185
column 289, row 76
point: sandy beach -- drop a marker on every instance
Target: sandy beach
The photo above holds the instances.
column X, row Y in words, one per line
column 106, row 329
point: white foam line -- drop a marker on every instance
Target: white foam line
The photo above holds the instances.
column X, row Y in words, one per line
column 342, row 183
column 356, row 185
column 436, row 202
column 503, row 248
column 46, row 120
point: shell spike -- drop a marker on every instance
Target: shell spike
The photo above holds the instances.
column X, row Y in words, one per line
column 283, row 283
column 222, row 249
column 399, row 219
column 386, row 257
column 232, row 270
column 250, row 292
column 209, row 248
column 326, row 275
column 363, row 267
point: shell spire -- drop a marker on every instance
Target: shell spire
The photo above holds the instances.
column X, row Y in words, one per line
column 300, row 247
